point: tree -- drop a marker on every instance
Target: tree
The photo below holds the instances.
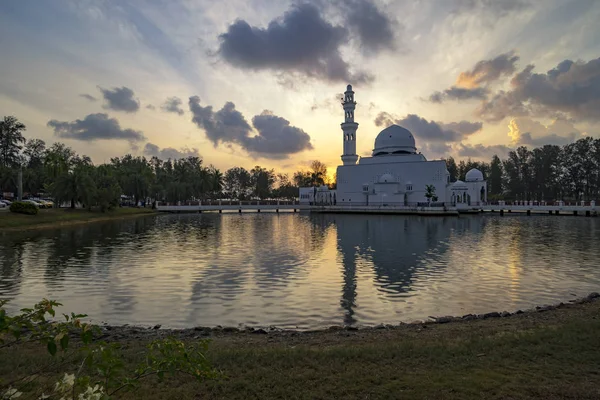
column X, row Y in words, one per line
column 107, row 191
column 430, row 193
column 318, row 173
column 58, row 160
column 262, row 181
column 237, row 183
column 216, row 181
column 34, row 153
column 11, row 141
column 135, row 176
column 285, row 188
column 495, row 176
column 452, row 169
column 76, row 186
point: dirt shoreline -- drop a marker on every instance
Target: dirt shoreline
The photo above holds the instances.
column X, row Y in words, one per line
column 521, row 319
column 76, row 222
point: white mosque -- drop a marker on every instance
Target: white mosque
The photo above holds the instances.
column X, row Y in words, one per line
column 395, row 174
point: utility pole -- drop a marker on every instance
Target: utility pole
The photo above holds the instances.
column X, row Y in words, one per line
column 20, row 184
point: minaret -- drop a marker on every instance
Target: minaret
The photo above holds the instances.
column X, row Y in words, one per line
column 349, row 128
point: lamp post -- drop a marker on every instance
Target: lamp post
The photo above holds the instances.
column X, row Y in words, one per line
column 20, row 183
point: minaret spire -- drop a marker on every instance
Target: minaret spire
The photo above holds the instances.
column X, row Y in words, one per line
column 349, row 127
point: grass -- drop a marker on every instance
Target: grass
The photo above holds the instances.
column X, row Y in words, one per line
column 50, row 218
column 550, row 355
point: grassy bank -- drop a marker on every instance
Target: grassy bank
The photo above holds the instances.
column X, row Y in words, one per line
column 52, row 218
column 540, row 355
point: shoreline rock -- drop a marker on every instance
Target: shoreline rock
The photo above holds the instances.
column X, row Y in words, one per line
column 127, row 331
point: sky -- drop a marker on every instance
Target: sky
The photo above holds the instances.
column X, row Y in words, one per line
column 258, row 82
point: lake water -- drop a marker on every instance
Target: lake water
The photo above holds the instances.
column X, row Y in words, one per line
column 299, row 270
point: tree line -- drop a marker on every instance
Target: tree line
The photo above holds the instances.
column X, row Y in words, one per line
column 59, row 172
column 549, row 172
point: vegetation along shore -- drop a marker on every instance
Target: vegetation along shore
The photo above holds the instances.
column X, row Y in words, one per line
column 549, row 352
column 53, row 218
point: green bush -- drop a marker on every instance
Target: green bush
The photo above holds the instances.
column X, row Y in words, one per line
column 22, row 207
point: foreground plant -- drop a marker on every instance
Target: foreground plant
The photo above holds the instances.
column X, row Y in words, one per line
column 95, row 369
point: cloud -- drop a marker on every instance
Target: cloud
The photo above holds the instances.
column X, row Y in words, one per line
column 481, row 151
column 88, row 97
column 173, row 105
column 528, row 132
column 500, row 106
column 300, row 42
column 487, row 71
column 120, row 99
column 224, row 126
column 463, row 127
column 571, row 88
column 493, row 8
column 458, row 93
column 430, row 131
column 473, row 84
column 94, row 127
column 374, row 28
column 150, row 107
column 435, row 150
column 275, row 138
column 167, row 153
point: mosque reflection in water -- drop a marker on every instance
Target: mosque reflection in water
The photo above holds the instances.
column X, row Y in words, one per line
column 303, row 270
column 394, row 247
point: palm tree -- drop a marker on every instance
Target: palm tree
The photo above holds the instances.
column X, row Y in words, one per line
column 216, row 181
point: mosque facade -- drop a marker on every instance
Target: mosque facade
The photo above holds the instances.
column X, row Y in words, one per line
column 394, row 175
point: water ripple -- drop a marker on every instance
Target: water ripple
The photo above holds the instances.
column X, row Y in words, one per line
column 301, row 271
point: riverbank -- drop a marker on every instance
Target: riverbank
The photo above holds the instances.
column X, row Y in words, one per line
column 57, row 217
column 550, row 352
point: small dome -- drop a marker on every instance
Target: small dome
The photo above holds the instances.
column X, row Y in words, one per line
column 459, row 185
column 474, row 175
column 387, row 178
column 349, row 88
column 394, row 140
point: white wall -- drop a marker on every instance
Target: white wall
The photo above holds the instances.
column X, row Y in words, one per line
column 351, row 178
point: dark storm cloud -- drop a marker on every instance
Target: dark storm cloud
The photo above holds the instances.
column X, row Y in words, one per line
column 482, row 151
column 226, row 125
column 459, row 93
column 152, row 150
column 88, row 97
column 430, row 131
column 173, row 105
column 94, row 127
column 301, row 42
column 374, row 29
column 276, row 138
column 120, row 99
column 572, row 88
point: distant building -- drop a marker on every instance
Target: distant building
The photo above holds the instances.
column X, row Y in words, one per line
column 395, row 174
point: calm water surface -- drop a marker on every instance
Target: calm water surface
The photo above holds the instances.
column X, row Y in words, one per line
column 300, row 270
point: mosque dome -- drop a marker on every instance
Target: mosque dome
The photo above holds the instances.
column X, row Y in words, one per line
column 474, row 175
column 387, row 178
column 459, row 185
column 394, row 140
